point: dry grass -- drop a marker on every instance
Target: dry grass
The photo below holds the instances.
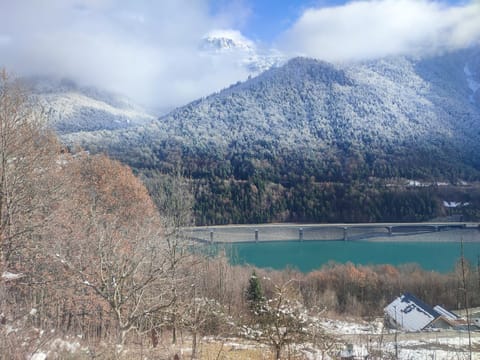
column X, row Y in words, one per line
column 208, row 350
column 228, row 351
column 242, row 350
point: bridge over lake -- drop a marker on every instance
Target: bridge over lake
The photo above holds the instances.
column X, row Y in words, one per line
column 335, row 232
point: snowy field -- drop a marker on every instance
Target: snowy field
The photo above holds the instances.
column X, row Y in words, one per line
column 373, row 338
column 366, row 338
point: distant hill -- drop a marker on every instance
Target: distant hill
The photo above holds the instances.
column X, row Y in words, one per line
column 72, row 108
column 313, row 141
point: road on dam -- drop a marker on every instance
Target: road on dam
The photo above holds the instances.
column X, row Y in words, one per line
column 305, row 232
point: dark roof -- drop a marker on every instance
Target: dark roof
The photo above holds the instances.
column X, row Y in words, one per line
column 407, row 297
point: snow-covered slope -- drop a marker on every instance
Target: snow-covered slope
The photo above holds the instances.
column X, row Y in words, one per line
column 248, row 54
column 71, row 108
column 472, row 74
column 394, row 102
column 389, row 113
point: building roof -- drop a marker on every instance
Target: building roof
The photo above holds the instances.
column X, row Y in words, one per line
column 445, row 313
column 410, row 313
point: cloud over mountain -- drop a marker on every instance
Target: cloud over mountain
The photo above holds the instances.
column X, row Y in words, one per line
column 145, row 49
column 152, row 51
column 362, row 30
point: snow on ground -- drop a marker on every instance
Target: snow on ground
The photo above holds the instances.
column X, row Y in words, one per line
column 8, row 276
column 438, row 345
column 57, row 348
column 339, row 327
column 352, row 335
column 438, row 349
column 39, row 356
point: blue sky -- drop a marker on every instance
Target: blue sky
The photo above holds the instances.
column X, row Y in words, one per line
column 150, row 49
column 267, row 19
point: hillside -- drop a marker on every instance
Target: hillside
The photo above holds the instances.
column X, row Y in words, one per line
column 72, row 108
column 313, row 141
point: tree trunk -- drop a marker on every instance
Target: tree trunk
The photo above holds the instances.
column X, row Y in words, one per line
column 174, row 329
column 194, row 345
column 278, row 352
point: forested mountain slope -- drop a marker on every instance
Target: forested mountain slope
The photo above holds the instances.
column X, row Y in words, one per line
column 313, row 141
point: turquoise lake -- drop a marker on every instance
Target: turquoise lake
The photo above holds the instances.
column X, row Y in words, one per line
column 306, row 256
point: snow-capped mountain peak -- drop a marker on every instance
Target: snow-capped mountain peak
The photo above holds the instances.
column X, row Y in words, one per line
column 226, row 40
column 250, row 56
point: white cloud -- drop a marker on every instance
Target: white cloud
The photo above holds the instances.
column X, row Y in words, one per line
column 148, row 50
column 4, row 40
column 370, row 29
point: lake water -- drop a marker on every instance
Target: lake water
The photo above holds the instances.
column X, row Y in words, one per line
column 438, row 252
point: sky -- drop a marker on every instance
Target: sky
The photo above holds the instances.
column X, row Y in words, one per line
column 150, row 50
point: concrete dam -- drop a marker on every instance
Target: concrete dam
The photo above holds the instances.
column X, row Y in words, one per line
column 328, row 232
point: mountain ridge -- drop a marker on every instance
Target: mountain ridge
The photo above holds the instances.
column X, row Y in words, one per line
column 333, row 108
column 309, row 140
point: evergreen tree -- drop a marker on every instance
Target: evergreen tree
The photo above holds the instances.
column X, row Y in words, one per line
column 254, row 293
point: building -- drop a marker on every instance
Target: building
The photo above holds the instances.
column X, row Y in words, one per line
column 447, row 314
column 410, row 314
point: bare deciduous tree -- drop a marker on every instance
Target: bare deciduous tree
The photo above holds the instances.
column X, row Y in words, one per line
column 27, row 155
column 174, row 200
column 113, row 242
column 28, row 166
